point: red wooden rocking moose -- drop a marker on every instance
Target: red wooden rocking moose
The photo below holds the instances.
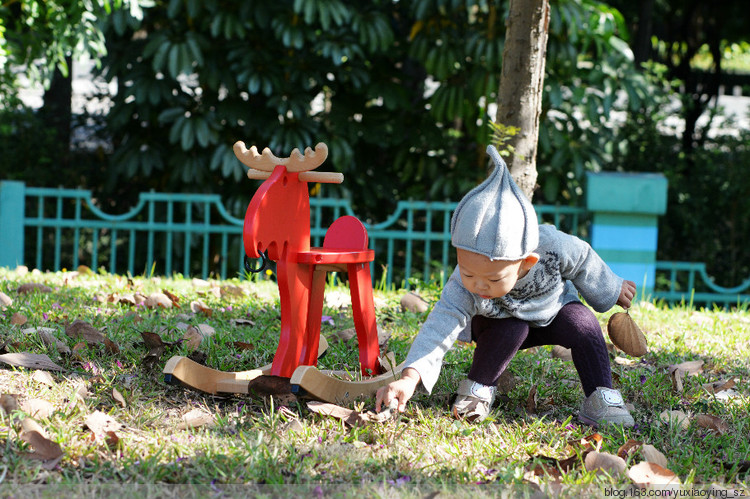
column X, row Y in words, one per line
column 277, row 227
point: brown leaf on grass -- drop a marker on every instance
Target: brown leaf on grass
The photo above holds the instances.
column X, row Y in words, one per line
column 345, row 335
column 37, row 408
column 30, row 361
column 18, row 319
column 196, row 418
column 30, row 287
column 152, row 340
column 412, row 302
column 232, row 290
column 646, row 473
column 81, row 329
column 628, row 448
column 195, row 335
column 348, row 416
column 676, row 418
column 46, row 335
column 713, row 423
column 677, row 375
column 44, row 377
column 5, row 301
column 173, row 297
column 198, row 307
column 111, row 346
column 562, row 353
column 242, row 346
column 604, row 461
column 155, row 300
column 506, row 382
column 100, row 423
column 8, row 402
column 720, row 385
column 118, row 397
column 653, row 455
column 44, row 449
column 689, row 367
column 531, row 401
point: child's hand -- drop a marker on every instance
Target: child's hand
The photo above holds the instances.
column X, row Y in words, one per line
column 627, row 293
column 396, row 394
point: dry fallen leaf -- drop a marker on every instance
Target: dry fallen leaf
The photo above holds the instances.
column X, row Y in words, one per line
column 8, row 402
column 720, row 385
column 412, row 302
column 689, row 367
column 241, row 345
column 100, row 423
column 195, row 335
column 33, row 286
column 46, row 334
column 18, row 319
column 232, row 290
column 613, row 465
column 626, row 335
column 560, row 352
column 628, row 448
column 44, row 377
column 81, row 329
column 5, row 301
column 713, row 423
column 157, row 300
column 196, row 418
column 30, row 360
column 44, row 449
column 199, row 307
column 37, row 408
column 118, row 397
column 652, row 455
column 348, row 416
column 174, row 298
column 677, row 418
column 506, row 382
column 652, row 474
column 531, row 401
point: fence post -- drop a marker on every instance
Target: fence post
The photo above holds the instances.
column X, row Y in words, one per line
column 624, row 232
column 12, row 206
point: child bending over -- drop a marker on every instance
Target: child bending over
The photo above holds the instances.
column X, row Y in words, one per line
column 516, row 286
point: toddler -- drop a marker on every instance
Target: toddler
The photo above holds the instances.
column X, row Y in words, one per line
column 516, row 286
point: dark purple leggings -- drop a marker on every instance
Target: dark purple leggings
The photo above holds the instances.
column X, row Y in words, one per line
column 574, row 327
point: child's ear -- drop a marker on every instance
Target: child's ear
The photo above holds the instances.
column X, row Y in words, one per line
column 530, row 261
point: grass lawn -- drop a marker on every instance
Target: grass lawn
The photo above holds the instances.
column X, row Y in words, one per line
column 107, row 417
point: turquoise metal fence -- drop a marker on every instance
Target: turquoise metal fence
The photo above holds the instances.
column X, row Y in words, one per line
column 689, row 283
column 194, row 234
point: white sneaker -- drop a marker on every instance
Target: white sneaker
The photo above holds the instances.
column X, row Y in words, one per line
column 605, row 405
column 474, row 400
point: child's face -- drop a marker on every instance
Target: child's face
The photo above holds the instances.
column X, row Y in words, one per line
column 491, row 278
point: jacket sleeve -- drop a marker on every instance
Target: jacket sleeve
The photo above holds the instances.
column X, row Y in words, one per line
column 450, row 315
column 591, row 276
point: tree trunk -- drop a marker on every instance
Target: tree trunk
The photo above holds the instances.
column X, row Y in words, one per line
column 57, row 110
column 521, row 84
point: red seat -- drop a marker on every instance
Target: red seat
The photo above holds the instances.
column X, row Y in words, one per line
column 344, row 249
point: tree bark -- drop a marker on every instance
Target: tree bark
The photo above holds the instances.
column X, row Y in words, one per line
column 521, row 85
column 57, row 109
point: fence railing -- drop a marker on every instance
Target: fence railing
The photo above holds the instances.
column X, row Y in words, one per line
column 194, row 234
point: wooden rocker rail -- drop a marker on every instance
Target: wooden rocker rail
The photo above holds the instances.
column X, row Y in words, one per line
column 307, row 381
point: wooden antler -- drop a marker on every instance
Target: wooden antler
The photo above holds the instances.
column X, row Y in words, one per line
column 266, row 161
column 261, row 165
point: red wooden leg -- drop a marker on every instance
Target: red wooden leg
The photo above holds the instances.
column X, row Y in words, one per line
column 314, row 316
column 363, row 308
column 294, row 294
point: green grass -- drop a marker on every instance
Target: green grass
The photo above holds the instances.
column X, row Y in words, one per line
column 258, row 440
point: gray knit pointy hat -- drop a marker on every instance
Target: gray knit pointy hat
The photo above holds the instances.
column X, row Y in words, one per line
column 495, row 218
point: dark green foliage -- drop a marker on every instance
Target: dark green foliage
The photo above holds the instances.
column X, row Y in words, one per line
column 400, row 92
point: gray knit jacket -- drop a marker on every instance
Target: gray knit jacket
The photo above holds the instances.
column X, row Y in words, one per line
column 567, row 266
